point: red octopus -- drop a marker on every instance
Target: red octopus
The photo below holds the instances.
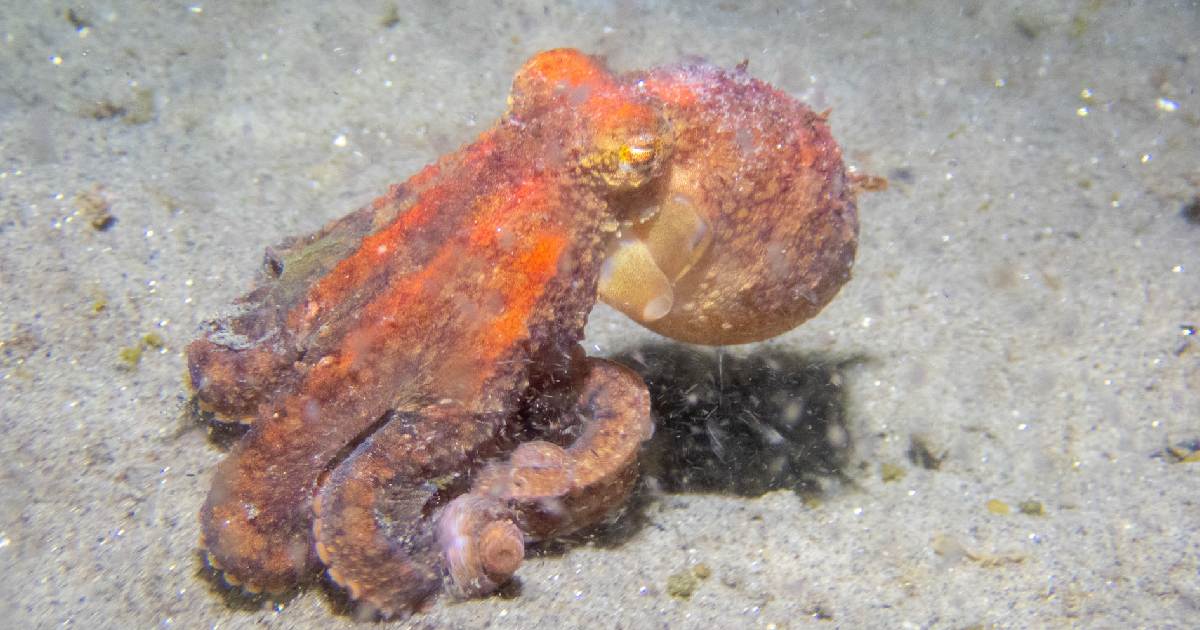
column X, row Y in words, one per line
column 419, row 405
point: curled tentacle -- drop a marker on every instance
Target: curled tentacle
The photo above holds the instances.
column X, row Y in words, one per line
column 255, row 523
column 481, row 543
column 549, row 489
column 372, row 527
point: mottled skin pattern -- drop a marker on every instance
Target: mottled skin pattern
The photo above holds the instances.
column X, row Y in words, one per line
column 763, row 172
column 386, row 361
column 430, row 322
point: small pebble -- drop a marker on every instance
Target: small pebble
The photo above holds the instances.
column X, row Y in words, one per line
column 996, row 506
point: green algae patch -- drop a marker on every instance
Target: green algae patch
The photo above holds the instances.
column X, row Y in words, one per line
column 1032, row 508
column 682, row 585
column 891, row 472
column 131, row 356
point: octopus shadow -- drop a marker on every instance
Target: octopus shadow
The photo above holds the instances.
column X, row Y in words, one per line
column 736, row 425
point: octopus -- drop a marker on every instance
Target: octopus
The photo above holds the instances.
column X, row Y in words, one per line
column 418, row 403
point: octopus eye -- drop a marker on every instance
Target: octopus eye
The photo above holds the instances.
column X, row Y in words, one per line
column 637, row 155
column 626, row 160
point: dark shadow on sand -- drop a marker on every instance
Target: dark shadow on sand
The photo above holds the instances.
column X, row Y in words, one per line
column 743, row 425
column 732, row 424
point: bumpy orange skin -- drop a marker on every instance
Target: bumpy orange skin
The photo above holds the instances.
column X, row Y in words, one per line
column 763, row 172
column 385, row 358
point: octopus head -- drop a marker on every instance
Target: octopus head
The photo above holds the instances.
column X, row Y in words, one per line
column 624, row 141
column 628, row 143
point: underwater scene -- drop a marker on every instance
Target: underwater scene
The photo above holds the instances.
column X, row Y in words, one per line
column 600, row 314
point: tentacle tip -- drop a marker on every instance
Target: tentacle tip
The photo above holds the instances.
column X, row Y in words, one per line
column 501, row 547
column 481, row 545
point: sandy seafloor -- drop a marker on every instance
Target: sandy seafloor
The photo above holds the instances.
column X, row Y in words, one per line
column 1021, row 302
